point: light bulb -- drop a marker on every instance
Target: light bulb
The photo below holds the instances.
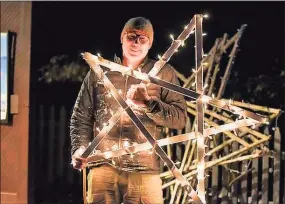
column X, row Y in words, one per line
column 206, row 16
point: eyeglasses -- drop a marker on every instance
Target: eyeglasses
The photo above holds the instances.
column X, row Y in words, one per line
column 142, row 39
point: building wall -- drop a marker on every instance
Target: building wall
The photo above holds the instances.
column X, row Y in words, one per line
column 16, row 17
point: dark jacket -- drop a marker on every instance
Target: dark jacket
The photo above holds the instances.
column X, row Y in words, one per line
column 94, row 107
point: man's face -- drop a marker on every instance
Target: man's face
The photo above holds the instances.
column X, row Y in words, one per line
column 135, row 45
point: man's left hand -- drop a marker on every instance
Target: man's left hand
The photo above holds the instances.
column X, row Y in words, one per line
column 138, row 94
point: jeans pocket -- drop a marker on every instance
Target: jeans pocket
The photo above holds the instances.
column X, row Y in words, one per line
column 96, row 198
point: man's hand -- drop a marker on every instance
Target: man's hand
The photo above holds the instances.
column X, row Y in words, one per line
column 77, row 161
column 138, row 94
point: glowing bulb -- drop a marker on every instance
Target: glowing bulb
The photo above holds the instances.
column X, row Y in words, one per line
column 172, row 37
column 205, row 16
column 159, row 57
column 107, row 154
column 98, row 54
column 182, row 44
column 230, row 101
column 204, row 34
column 223, row 103
column 126, row 144
column 200, row 141
column 185, row 27
column 200, row 167
column 120, row 91
column 115, row 147
column 200, row 177
column 205, row 99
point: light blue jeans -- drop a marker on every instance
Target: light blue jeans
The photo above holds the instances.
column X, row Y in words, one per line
column 107, row 185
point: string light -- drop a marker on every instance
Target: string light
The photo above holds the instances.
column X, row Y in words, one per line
column 223, row 103
column 200, row 167
column 230, row 102
column 205, row 99
column 107, row 154
column 172, row 37
column 205, row 15
column 126, row 144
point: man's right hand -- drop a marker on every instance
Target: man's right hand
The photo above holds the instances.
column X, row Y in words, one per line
column 77, row 161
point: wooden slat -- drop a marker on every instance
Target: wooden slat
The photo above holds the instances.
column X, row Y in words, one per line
column 277, row 170
column 243, row 183
column 254, row 184
column 225, row 178
column 215, row 177
column 40, row 148
column 234, row 187
column 265, row 174
column 61, row 140
column 51, row 145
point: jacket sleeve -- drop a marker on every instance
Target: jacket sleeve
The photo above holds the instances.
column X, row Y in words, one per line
column 82, row 118
column 170, row 110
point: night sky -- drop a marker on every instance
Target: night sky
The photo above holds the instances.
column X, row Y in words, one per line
column 72, row 27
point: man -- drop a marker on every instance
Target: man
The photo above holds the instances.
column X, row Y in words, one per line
column 129, row 178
